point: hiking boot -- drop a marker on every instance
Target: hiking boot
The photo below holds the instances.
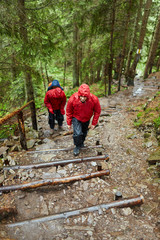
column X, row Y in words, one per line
column 60, row 128
column 76, row 151
column 51, row 131
column 82, row 145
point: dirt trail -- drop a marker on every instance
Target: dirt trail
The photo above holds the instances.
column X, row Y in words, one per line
column 129, row 175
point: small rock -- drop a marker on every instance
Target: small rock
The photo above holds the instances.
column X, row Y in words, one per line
column 1, row 179
column 126, row 211
column 11, row 171
column 30, row 143
column 92, row 200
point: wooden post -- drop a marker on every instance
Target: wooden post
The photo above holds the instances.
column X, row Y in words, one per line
column 22, row 130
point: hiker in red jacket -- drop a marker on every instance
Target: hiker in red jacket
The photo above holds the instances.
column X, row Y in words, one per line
column 55, row 100
column 80, row 108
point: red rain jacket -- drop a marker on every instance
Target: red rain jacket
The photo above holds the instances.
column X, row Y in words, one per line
column 83, row 111
column 55, row 99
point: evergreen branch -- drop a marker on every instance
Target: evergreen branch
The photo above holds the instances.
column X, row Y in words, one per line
column 33, row 9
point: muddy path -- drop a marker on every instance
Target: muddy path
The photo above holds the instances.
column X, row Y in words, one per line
column 128, row 174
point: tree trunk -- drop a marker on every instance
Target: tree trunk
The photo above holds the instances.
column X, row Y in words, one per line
column 30, row 96
column 124, row 43
column 153, row 49
column 80, row 56
column 75, row 55
column 98, row 78
column 134, row 38
column 47, row 74
column 105, row 71
column 64, row 72
column 141, row 37
column 158, row 64
column 111, row 48
column 27, row 71
column 44, row 79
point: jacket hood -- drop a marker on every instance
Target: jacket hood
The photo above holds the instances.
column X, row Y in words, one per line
column 55, row 83
column 84, row 91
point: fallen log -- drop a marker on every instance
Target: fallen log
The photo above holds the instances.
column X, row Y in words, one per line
column 54, row 181
column 56, row 163
column 128, row 202
column 61, row 149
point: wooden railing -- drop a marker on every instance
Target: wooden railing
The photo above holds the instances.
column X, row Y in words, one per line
column 20, row 118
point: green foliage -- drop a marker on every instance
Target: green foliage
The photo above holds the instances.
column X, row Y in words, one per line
column 148, row 110
column 139, row 114
column 157, row 122
column 69, row 92
column 48, row 44
column 138, row 123
column 7, row 130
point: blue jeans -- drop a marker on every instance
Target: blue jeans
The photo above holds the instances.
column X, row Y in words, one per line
column 80, row 130
column 56, row 116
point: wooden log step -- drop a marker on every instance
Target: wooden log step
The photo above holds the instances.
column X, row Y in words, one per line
column 128, row 202
column 54, row 181
column 57, row 163
column 61, row 149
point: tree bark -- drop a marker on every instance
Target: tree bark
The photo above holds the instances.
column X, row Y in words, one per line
column 105, row 73
column 153, row 49
column 64, row 72
column 141, row 37
column 22, row 130
column 124, row 43
column 111, row 48
column 27, row 70
column 75, row 54
column 134, row 38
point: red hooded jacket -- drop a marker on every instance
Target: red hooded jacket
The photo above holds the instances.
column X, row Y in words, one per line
column 83, row 111
column 55, row 99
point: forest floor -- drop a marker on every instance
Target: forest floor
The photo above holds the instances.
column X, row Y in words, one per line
column 129, row 174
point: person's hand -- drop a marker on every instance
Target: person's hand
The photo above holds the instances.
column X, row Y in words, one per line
column 69, row 127
column 92, row 127
column 51, row 110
